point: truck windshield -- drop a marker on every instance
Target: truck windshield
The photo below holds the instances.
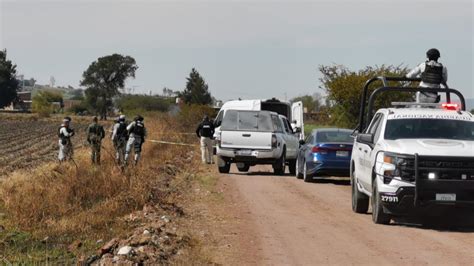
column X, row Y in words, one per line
column 429, row 129
column 247, row 121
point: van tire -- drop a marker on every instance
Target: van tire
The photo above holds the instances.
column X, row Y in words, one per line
column 292, row 166
column 280, row 165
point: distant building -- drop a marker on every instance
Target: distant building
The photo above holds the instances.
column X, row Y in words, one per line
column 68, row 104
column 22, row 102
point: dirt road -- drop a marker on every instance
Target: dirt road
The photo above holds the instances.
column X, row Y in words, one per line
column 282, row 220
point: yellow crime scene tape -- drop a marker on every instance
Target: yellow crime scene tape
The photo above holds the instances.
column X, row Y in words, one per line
column 171, row 143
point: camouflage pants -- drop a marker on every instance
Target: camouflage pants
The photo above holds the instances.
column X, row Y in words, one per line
column 95, row 152
column 119, row 146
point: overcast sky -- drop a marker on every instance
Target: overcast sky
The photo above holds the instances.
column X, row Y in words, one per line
column 246, row 49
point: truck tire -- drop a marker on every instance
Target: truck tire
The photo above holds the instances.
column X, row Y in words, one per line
column 292, row 166
column 378, row 216
column 223, row 165
column 280, row 165
column 297, row 172
column 360, row 201
column 306, row 178
column 244, row 168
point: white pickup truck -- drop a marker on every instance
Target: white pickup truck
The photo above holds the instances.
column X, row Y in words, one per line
column 248, row 138
column 413, row 159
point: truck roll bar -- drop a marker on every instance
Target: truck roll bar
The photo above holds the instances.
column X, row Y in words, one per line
column 385, row 87
column 408, row 89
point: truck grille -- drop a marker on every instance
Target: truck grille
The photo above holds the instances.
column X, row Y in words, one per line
column 444, row 168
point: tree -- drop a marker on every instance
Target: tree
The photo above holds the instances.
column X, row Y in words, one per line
column 8, row 82
column 136, row 103
column 344, row 88
column 196, row 91
column 42, row 102
column 105, row 78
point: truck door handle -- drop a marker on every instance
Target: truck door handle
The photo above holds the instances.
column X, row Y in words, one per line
column 246, row 135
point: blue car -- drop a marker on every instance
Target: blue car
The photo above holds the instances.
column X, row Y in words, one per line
column 325, row 152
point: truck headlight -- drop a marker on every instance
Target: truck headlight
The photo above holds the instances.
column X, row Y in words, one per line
column 392, row 167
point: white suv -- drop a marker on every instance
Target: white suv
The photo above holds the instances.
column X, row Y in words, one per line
column 413, row 157
column 418, row 159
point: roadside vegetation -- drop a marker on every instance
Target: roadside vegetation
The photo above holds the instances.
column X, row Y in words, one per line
column 64, row 213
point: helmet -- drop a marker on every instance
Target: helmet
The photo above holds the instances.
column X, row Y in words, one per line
column 121, row 118
column 433, row 54
column 205, row 118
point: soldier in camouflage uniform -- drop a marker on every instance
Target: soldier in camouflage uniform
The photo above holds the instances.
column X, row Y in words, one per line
column 95, row 134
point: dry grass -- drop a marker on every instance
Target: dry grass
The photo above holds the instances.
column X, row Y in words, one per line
column 67, row 202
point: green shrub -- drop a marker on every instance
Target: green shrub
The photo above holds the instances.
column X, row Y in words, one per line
column 191, row 115
column 42, row 102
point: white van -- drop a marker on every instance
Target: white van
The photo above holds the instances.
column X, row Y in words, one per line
column 293, row 112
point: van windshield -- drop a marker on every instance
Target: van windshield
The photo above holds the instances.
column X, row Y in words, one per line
column 247, row 121
column 429, row 129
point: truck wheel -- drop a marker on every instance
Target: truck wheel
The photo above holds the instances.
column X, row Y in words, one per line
column 378, row 216
column 223, row 165
column 292, row 166
column 360, row 201
column 279, row 165
column 306, row 177
column 298, row 174
column 243, row 168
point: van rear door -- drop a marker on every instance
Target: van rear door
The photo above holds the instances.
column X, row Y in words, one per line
column 297, row 113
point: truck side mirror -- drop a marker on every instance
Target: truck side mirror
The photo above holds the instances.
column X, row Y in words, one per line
column 297, row 130
column 365, row 138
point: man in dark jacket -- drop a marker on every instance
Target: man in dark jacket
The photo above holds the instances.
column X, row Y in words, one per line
column 205, row 131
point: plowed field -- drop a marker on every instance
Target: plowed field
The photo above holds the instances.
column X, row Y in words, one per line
column 26, row 144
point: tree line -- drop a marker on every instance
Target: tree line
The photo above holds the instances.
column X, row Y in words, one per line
column 104, row 82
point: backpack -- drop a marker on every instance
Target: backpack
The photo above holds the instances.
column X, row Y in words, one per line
column 95, row 133
column 122, row 131
column 139, row 129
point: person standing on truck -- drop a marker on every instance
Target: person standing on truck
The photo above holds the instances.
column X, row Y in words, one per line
column 95, row 134
column 137, row 133
column 120, row 138
column 433, row 74
column 205, row 131
column 65, row 133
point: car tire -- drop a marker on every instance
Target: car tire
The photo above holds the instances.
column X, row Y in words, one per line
column 297, row 172
column 292, row 166
column 306, row 177
column 378, row 215
column 280, row 165
column 244, row 168
column 223, row 165
column 360, row 201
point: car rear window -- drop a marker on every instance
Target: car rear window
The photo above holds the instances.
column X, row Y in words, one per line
column 334, row 136
column 247, row 121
